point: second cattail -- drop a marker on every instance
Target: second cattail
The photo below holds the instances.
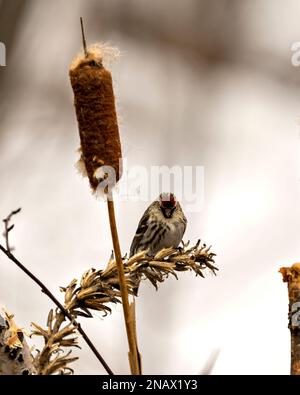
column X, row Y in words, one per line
column 96, row 116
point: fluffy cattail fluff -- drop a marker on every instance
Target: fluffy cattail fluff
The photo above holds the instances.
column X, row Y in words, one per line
column 97, row 120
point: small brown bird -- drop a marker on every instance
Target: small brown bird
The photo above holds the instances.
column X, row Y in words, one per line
column 162, row 225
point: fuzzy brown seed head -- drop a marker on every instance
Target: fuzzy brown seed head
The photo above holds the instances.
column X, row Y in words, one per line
column 96, row 116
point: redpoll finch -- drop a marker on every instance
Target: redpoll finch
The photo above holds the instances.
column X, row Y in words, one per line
column 162, row 225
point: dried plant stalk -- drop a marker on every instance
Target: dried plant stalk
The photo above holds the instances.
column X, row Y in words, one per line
column 95, row 291
column 15, row 356
column 99, row 288
column 52, row 359
column 64, row 312
column 92, row 293
column 169, row 261
column 291, row 275
column 129, row 317
column 96, row 116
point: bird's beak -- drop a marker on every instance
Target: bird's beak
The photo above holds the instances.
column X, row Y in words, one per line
column 168, row 212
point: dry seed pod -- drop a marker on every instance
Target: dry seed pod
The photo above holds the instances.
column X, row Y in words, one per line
column 97, row 119
column 15, row 355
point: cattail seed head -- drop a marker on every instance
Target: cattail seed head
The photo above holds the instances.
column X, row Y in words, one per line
column 96, row 116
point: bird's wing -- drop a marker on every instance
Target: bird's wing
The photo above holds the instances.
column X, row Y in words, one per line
column 184, row 223
column 183, row 220
column 140, row 232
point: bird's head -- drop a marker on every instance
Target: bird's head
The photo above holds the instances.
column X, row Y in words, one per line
column 167, row 203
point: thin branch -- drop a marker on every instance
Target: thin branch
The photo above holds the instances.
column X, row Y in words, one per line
column 45, row 290
column 8, row 228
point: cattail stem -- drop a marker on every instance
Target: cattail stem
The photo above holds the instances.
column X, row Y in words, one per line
column 127, row 309
column 291, row 275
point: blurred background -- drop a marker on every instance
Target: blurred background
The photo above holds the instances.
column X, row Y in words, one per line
column 200, row 82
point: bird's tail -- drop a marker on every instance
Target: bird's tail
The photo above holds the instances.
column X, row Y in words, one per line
column 136, row 280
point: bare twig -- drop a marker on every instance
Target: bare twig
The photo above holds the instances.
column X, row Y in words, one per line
column 45, row 290
column 8, row 228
